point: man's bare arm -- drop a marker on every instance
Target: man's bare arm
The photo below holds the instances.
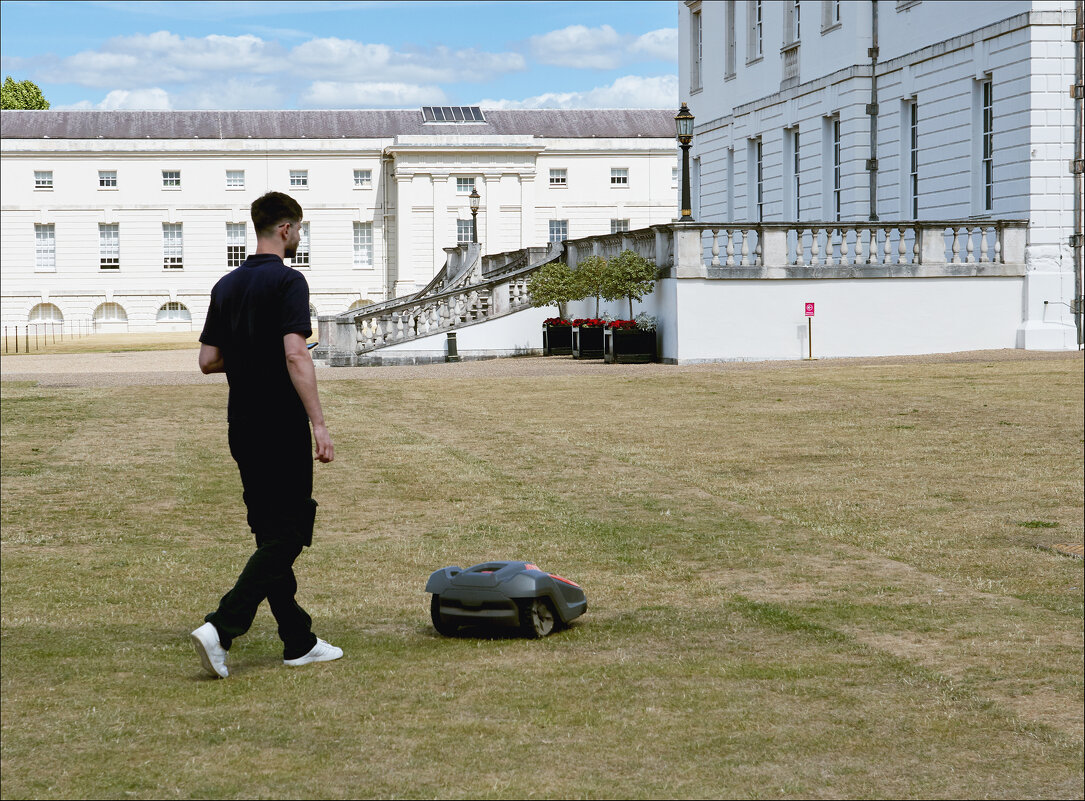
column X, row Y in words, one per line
column 303, row 375
column 211, row 359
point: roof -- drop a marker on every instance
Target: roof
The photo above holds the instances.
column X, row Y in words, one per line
column 321, row 124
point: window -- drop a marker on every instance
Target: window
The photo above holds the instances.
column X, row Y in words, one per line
column 107, row 179
column 913, row 158
column 836, row 168
column 363, row 244
column 792, row 31
column 363, row 179
column 109, row 246
column 558, row 178
column 301, row 258
column 619, row 176
column 299, row 179
column 791, row 141
column 171, row 179
column 988, row 161
column 759, row 178
column 172, row 246
column 464, row 232
column 173, row 312
column 559, row 230
column 235, row 244
column 755, row 25
column 43, row 179
column 235, row 179
column 46, row 313
column 45, row 247
column 830, row 15
column 619, row 226
column 695, row 50
column 110, row 313
column 464, row 186
column 729, row 67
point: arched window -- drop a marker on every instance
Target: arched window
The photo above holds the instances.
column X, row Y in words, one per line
column 360, row 303
column 45, row 313
column 174, row 312
column 110, row 317
column 110, row 313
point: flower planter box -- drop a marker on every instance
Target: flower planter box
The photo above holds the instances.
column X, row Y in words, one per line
column 629, row 345
column 557, row 340
column 588, row 342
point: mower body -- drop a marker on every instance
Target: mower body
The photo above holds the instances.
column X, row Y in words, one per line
column 501, row 594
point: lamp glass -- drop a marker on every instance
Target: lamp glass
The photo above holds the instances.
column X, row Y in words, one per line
column 475, row 198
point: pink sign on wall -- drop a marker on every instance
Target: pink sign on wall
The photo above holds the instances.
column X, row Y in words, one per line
column 809, row 309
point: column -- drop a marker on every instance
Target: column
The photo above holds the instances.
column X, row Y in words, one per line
column 405, row 278
column 527, row 211
column 489, row 234
column 441, row 238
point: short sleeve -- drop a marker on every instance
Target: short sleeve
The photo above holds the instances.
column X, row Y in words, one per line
column 295, row 306
column 212, row 327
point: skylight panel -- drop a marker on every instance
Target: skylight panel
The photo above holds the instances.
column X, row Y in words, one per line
column 452, row 114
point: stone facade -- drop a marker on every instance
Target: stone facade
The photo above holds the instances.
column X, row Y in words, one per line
column 384, row 194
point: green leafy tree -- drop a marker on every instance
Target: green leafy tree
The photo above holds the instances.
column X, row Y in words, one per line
column 590, row 279
column 21, row 95
column 629, row 275
column 552, row 283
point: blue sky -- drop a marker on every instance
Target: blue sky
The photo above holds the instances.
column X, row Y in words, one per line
column 272, row 55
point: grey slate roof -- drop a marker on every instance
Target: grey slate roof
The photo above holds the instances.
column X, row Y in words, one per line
column 320, row 124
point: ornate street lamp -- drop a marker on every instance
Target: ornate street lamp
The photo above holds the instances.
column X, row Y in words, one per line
column 475, row 198
column 683, row 121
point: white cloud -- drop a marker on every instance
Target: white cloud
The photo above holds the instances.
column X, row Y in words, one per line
column 602, row 48
column 333, row 94
column 629, row 91
column 143, row 99
column 346, row 59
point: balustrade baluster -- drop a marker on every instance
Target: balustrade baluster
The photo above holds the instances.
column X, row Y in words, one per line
column 730, row 247
column 715, row 247
column 887, row 248
column 956, row 246
column 998, row 246
column 970, row 256
column 742, row 262
column 800, row 261
column 815, row 234
column 758, row 251
column 983, row 244
column 872, row 247
column 472, row 304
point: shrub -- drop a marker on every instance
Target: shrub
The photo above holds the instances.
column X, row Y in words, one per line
column 552, row 283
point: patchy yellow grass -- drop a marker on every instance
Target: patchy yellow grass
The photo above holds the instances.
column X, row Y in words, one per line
column 806, row 581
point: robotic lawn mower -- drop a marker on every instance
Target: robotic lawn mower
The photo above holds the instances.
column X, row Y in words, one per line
column 508, row 594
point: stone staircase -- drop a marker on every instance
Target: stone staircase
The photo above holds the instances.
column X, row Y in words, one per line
column 469, row 289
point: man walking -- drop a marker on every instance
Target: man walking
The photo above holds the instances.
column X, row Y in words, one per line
column 255, row 332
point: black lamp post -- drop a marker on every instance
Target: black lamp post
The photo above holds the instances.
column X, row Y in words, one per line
column 475, row 199
column 683, row 121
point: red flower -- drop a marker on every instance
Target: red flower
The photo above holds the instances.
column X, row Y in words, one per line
column 555, row 321
column 622, row 325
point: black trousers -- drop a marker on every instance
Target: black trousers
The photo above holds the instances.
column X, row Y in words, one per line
column 276, row 464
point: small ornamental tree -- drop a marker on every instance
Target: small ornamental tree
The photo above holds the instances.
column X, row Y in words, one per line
column 552, row 283
column 629, row 275
column 590, row 278
column 21, row 95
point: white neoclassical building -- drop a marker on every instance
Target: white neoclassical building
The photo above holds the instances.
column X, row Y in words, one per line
column 127, row 218
column 899, row 110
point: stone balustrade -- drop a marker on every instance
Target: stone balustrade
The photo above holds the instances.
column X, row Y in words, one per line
column 472, row 288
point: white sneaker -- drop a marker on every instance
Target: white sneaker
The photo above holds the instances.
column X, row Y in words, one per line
column 212, row 655
column 321, row 652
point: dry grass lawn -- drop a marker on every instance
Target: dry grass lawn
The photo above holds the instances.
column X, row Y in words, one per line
column 814, row 580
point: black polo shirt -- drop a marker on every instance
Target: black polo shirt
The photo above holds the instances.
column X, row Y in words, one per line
column 252, row 309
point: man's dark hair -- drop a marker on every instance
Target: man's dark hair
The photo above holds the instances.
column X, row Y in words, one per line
column 273, row 209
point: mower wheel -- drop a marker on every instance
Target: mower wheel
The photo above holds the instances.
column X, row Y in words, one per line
column 537, row 617
column 443, row 627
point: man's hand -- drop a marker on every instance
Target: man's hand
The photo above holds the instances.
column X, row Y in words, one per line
column 325, row 451
column 299, row 364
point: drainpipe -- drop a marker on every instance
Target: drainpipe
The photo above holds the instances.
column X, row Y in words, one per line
column 386, row 177
column 1078, row 163
column 872, row 111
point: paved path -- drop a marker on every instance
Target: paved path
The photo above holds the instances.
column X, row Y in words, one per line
column 179, row 367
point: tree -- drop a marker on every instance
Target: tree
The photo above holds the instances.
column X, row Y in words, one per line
column 552, row 283
column 629, row 275
column 589, row 278
column 21, row 95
